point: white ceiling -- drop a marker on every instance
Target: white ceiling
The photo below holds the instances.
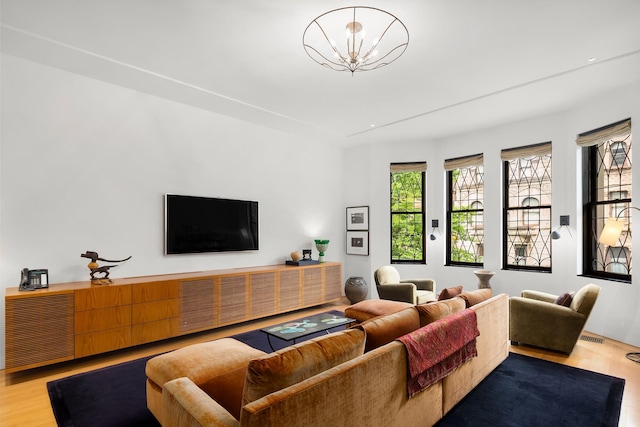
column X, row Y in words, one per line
column 469, row 64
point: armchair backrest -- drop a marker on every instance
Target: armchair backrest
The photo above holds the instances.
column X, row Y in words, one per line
column 584, row 300
column 386, row 275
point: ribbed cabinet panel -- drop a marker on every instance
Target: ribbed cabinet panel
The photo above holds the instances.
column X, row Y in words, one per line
column 263, row 294
column 233, row 299
column 39, row 330
column 197, row 305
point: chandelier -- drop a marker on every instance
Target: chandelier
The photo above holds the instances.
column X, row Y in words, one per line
column 355, row 38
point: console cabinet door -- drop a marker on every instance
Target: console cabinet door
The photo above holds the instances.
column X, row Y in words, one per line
column 38, row 331
column 196, row 305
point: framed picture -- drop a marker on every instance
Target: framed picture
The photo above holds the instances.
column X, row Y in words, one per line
column 358, row 218
column 358, row 242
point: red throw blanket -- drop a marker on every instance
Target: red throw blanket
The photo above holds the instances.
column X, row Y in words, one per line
column 437, row 349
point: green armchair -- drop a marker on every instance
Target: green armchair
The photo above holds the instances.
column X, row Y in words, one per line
column 535, row 318
column 414, row 291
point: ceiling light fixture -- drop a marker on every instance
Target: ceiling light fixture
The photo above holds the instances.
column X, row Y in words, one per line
column 355, row 38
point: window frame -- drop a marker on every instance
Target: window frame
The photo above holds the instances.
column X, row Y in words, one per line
column 421, row 213
column 591, row 205
column 524, row 214
column 476, row 211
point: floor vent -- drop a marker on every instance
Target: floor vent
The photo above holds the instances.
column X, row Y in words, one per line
column 592, row 339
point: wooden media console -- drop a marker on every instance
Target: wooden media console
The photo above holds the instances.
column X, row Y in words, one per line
column 77, row 319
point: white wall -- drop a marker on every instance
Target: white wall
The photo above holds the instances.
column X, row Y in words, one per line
column 85, row 165
column 616, row 313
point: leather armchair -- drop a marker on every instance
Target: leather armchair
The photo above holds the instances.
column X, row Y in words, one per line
column 535, row 318
column 414, row 291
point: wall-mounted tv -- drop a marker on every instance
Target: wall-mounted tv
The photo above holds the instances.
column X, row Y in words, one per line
column 205, row 224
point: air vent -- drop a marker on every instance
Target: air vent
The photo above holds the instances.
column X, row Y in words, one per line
column 592, row 339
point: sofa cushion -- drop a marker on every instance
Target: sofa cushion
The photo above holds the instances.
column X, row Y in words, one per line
column 451, row 292
column 370, row 308
column 437, row 310
column 476, row 296
column 218, row 367
column 565, row 299
column 384, row 329
column 296, row 363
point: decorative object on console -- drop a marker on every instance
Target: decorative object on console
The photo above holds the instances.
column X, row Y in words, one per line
column 564, row 222
column 306, row 254
column 95, row 268
column 356, row 289
column 484, row 276
column 321, row 246
column 322, row 39
column 358, row 218
column 298, row 258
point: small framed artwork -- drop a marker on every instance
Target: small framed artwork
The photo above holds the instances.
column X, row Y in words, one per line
column 358, row 218
column 358, row 242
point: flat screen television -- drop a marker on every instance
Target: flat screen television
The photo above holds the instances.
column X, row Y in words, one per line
column 205, row 224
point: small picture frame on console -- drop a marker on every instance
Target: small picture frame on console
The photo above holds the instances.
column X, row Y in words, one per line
column 358, row 243
column 358, row 218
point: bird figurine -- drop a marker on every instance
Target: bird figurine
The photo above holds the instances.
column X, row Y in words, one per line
column 95, row 268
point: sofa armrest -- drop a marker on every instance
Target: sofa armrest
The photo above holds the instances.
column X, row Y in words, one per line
column 422, row 284
column 186, row 405
column 540, row 296
column 405, row 292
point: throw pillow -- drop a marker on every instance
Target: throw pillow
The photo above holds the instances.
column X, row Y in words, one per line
column 296, row 363
column 447, row 293
column 439, row 309
column 476, row 296
column 565, row 299
column 384, row 329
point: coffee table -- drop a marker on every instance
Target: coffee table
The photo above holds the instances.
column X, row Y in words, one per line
column 292, row 330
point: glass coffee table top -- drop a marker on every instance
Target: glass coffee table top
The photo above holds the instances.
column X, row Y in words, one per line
column 291, row 330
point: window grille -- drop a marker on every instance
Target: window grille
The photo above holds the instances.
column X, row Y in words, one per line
column 465, row 210
column 607, row 189
column 527, row 205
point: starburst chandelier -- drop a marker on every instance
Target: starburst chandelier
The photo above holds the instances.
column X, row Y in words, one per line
column 355, row 38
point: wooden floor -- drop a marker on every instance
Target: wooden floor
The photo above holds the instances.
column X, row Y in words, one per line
column 24, row 400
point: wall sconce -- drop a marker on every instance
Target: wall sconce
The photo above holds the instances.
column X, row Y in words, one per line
column 564, row 221
column 434, row 227
column 613, row 229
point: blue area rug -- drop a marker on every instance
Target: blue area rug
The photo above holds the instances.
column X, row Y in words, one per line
column 528, row 392
column 106, row 397
column 522, row 391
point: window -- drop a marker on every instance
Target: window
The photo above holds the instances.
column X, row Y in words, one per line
column 465, row 211
column 607, row 193
column 407, row 212
column 527, row 205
